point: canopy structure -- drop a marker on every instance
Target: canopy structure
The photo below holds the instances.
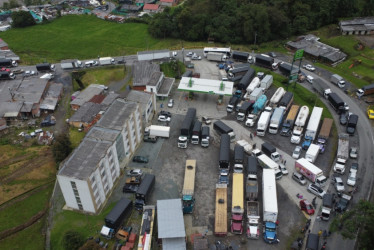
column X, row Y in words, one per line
column 209, row 86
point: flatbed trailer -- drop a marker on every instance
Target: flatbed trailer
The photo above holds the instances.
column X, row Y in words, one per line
column 220, row 223
column 189, row 186
column 146, row 229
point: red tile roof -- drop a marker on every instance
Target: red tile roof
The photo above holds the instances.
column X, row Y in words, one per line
column 97, row 99
column 167, row 1
column 149, row 6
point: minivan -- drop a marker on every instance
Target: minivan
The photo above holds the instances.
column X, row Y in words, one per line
column 309, row 78
column 352, row 123
column 299, row 178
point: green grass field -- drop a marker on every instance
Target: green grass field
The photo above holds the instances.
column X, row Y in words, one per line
column 22, row 211
column 31, row 238
column 83, row 37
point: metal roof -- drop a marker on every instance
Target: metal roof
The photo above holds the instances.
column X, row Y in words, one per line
column 139, row 96
column 85, row 159
column 155, row 78
column 174, row 243
column 117, row 114
column 206, row 86
column 103, row 134
column 109, row 99
column 166, row 86
column 86, row 113
column 153, row 51
column 87, row 94
column 170, row 219
column 142, row 72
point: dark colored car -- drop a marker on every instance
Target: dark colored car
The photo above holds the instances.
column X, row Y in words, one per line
column 343, row 118
column 272, row 54
column 140, row 159
column 165, row 113
column 148, row 138
column 48, row 121
column 129, row 188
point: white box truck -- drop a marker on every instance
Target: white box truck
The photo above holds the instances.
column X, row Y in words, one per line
column 106, row 61
column 214, row 56
column 266, row 82
column 276, row 120
column 312, row 153
column 270, row 206
column 299, row 125
column 337, row 80
column 254, row 84
column 312, row 128
column 263, row 122
column 267, row 163
column 257, row 92
column 310, row 171
column 159, row 131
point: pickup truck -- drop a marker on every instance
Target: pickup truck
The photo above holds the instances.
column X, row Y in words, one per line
column 342, row 204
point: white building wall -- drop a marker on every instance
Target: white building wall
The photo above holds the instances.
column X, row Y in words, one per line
column 83, row 191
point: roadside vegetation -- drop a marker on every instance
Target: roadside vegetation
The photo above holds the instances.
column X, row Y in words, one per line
column 173, row 68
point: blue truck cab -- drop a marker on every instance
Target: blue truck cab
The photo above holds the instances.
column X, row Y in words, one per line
column 270, row 233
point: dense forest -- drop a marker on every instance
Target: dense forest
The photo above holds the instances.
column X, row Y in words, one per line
column 239, row 21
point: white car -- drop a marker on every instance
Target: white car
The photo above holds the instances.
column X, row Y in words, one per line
column 339, row 185
column 309, row 78
column 296, row 152
column 351, row 181
column 195, row 57
column 316, row 190
column 189, row 54
column 30, row 73
column 309, row 67
column 171, row 103
column 175, row 53
column 353, row 153
column 91, row 63
column 163, row 118
column 283, row 169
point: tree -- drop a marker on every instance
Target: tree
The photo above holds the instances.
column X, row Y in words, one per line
column 360, row 217
column 22, row 19
column 72, row 240
column 61, row 148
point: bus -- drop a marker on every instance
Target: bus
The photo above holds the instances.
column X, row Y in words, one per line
column 226, row 51
column 189, row 187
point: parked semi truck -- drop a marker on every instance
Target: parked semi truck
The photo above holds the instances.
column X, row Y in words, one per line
column 324, row 133
column 299, row 125
column 5, row 62
column 342, row 153
column 240, row 56
column 366, row 90
column 45, row 67
column 290, row 120
column 115, row 217
column 246, row 145
column 188, row 190
column 255, row 83
column 276, row 120
column 266, row 62
column 143, row 193
column 257, row 92
column 285, row 68
column 205, row 136
column 186, row 129
column 321, row 87
column 258, row 106
column 274, row 100
column 244, row 111
column 232, row 104
column 196, row 133
column 312, row 128
column 336, row 102
column 337, row 80
column 327, row 206
column 222, row 128
column 215, row 56
column 237, row 208
column 312, row 153
column 238, row 158
column 224, row 153
column 5, row 75
column 266, row 162
column 251, row 188
column 158, row 131
column 270, row 206
column 286, row 101
column 220, row 218
column 263, row 122
column 253, row 220
column 310, row 171
column 106, row 61
column 246, row 79
column 266, row 82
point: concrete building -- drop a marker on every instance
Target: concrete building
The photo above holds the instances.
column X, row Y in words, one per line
column 171, row 230
column 317, row 50
column 142, row 73
column 147, row 103
column 153, row 55
column 86, row 116
column 160, row 85
column 51, row 98
column 357, row 26
column 89, row 174
column 86, row 95
column 168, row 3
